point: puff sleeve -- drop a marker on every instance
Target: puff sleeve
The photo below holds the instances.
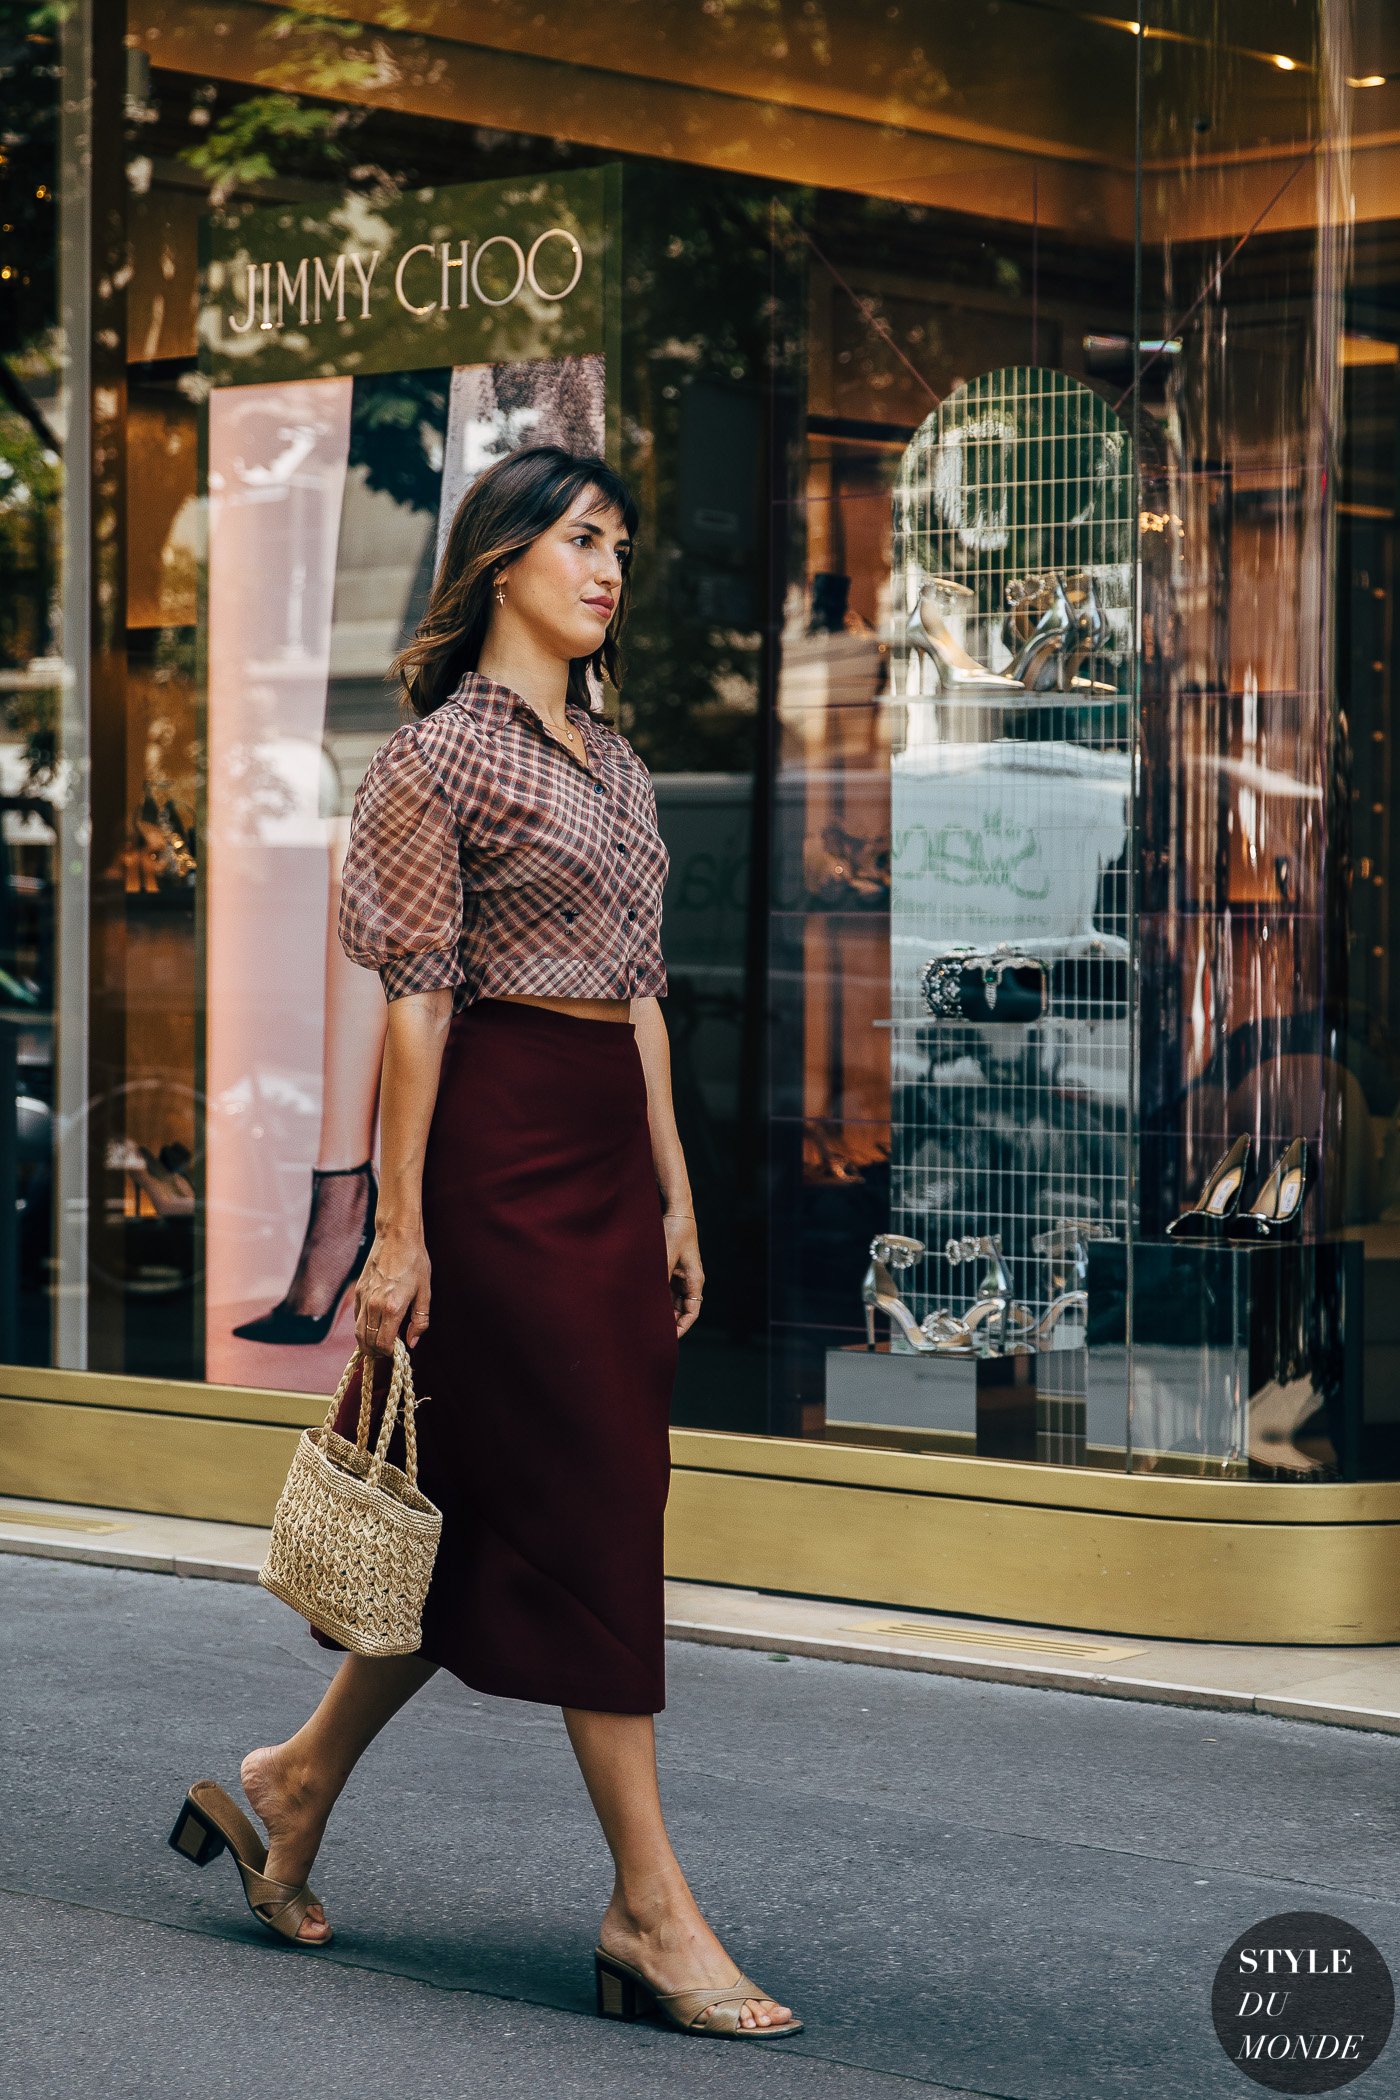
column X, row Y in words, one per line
column 401, row 885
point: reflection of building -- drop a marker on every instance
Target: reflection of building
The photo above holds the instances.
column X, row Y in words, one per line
column 837, row 334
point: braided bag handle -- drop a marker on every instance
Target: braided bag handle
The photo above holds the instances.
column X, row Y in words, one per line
column 400, row 1393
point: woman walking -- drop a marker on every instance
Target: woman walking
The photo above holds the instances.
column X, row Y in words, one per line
column 534, row 1242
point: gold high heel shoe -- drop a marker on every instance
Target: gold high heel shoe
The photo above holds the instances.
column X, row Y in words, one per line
column 210, row 1823
column 624, row 1994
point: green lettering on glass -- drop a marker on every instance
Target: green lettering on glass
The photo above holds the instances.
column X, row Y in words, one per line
column 1000, row 856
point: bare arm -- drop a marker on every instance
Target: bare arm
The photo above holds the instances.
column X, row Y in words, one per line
column 395, row 1281
column 682, row 1240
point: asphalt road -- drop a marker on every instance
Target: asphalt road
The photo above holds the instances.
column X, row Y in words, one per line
column 963, row 1887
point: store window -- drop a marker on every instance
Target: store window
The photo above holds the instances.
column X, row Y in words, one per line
column 1250, row 1358
column 36, row 808
column 333, row 284
column 1009, row 392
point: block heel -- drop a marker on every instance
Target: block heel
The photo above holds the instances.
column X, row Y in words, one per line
column 194, row 1837
column 617, row 1993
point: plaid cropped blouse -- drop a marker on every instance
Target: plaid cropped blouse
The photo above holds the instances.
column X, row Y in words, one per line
column 484, row 857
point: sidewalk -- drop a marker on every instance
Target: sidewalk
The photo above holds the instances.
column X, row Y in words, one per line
column 1343, row 1687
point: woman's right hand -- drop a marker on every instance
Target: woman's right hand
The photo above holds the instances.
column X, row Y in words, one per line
column 395, row 1282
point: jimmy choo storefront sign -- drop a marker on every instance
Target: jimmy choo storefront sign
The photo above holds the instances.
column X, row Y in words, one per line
column 315, row 286
column 491, row 272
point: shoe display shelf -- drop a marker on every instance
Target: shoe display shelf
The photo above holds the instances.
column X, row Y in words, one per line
column 1023, row 1404
column 1244, row 1359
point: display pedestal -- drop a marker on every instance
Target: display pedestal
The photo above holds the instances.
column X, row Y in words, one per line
column 993, row 1404
column 1006, row 1414
column 882, row 1388
column 1246, row 1357
column 1061, row 1379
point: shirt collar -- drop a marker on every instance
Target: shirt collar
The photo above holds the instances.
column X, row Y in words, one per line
column 485, row 696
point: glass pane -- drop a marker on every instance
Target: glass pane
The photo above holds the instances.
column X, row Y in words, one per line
column 305, row 432
column 1250, row 1134
column 1007, row 585
column 36, row 779
column 954, row 766
column 1364, row 764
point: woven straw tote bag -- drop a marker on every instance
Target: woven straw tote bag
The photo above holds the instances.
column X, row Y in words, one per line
column 353, row 1538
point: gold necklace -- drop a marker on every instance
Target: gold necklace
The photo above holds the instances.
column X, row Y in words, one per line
column 565, row 736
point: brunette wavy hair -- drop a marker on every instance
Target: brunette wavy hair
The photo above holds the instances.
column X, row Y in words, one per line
column 503, row 512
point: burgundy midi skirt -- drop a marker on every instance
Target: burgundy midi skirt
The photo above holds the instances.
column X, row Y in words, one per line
column 548, row 1363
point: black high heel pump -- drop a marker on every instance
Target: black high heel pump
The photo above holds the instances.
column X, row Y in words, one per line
column 1217, row 1200
column 1277, row 1208
column 320, row 1270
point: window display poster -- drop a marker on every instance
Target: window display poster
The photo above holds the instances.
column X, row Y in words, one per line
column 329, row 493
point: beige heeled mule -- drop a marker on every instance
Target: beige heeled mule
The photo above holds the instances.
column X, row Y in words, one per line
column 209, row 1823
column 625, row 1994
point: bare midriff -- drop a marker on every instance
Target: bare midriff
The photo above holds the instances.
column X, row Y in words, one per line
column 585, row 1009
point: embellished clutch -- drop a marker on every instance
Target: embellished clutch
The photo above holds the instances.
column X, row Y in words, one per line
column 986, row 984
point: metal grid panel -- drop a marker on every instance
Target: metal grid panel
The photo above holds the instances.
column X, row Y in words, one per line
column 1011, row 815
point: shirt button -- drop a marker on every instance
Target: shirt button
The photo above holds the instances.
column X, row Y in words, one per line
column 619, row 845
column 568, row 914
column 598, row 787
column 631, row 912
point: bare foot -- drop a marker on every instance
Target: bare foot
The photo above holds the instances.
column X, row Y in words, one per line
column 294, row 1818
column 676, row 1950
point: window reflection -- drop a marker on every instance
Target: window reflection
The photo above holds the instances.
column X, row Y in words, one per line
column 1012, row 396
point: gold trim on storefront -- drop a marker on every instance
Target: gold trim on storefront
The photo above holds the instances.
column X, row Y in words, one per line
column 1154, row 1555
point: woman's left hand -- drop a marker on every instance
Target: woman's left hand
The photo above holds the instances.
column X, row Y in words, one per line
column 683, row 1265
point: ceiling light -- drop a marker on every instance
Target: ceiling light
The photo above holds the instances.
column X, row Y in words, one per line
column 1285, row 65
column 1367, row 79
column 1369, row 350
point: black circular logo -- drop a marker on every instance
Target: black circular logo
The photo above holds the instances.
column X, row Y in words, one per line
column 1303, row 2003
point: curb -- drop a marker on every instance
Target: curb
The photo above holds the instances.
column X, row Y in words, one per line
column 1032, row 1676
column 1146, row 1691
column 132, row 1558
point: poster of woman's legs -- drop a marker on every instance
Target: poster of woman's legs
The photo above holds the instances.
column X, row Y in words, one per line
column 329, row 504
